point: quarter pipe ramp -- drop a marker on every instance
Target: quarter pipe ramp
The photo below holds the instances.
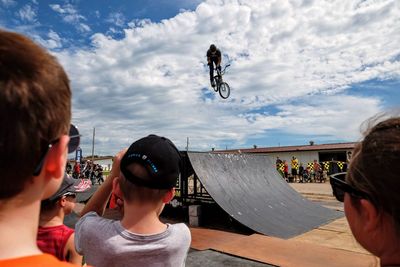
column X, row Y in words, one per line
column 251, row 191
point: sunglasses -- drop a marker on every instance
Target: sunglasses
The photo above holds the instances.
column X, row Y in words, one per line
column 340, row 187
column 74, row 140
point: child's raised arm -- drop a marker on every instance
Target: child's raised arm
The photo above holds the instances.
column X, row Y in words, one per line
column 98, row 201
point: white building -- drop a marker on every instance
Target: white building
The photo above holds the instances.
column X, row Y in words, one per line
column 305, row 154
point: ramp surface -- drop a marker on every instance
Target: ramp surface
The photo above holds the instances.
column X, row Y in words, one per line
column 250, row 190
column 278, row 252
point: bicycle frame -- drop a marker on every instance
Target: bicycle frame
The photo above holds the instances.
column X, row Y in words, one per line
column 225, row 92
column 218, row 77
column 222, row 72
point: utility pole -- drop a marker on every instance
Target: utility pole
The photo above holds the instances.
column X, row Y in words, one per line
column 94, row 133
column 187, row 144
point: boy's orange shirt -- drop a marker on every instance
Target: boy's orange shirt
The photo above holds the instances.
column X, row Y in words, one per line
column 42, row 260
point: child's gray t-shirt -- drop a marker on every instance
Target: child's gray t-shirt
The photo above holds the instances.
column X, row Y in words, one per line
column 105, row 242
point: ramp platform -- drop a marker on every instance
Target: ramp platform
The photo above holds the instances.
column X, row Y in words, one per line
column 250, row 190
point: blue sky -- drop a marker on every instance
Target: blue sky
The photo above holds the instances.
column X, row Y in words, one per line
column 300, row 70
column 76, row 21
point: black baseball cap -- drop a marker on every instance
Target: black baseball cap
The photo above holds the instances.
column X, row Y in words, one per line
column 68, row 185
column 159, row 156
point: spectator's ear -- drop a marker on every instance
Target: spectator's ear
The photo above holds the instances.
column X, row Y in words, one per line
column 54, row 165
column 63, row 201
column 116, row 188
column 169, row 196
column 370, row 215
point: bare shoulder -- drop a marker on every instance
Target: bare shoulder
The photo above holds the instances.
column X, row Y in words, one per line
column 70, row 242
column 71, row 254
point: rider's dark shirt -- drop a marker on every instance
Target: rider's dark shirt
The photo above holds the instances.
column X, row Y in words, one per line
column 213, row 56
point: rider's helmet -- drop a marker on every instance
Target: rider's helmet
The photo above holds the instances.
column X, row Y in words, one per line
column 213, row 48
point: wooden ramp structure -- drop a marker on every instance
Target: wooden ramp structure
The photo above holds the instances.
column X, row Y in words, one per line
column 251, row 191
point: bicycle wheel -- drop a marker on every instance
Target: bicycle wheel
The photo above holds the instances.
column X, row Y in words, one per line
column 224, row 90
column 215, row 83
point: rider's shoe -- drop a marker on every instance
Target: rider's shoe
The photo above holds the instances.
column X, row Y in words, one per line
column 213, row 84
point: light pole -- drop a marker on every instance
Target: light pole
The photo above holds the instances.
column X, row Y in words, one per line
column 94, row 133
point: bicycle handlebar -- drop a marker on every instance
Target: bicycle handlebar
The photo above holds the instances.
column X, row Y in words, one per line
column 223, row 71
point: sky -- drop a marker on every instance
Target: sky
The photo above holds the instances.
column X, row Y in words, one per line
column 300, row 70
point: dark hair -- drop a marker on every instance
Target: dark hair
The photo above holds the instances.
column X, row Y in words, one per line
column 213, row 48
column 375, row 166
column 47, row 204
column 35, row 108
column 133, row 192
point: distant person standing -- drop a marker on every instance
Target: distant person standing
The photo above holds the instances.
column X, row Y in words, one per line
column 279, row 166
column 316, row 170
column 294, row 165
column 285, row 170
column 213, row 57
column 77, row 170
column 68, row 168
column 301, row 173
column 278, row 162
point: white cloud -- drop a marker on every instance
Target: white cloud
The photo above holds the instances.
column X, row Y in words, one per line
column 71, row 15
column 298, row 57
column 53, row 41
column 82, row 27
column 116, row 18
column 67, row 9
column 136, row 23
column 27, row 13
column 324, row 116
column 8, row 3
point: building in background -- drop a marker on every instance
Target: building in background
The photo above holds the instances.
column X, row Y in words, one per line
column 337, row 152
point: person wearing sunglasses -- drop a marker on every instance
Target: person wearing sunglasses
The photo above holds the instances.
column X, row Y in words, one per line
column 35, row 115
column 370, row 191
column 53, row 236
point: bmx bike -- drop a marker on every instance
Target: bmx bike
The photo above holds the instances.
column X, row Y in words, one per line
column 220, row 86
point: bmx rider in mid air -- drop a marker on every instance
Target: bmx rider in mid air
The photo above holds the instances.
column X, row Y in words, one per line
column 213, row 57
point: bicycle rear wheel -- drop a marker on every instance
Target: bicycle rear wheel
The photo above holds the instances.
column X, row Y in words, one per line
column 224, row 90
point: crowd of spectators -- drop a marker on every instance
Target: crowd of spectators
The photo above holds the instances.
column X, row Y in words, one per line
column 86, row 170
column 310, row 172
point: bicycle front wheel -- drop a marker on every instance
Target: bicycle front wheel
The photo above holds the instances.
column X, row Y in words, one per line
column 224, row 90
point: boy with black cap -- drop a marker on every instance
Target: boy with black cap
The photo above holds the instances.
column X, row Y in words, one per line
column 144, row 178
column 53, row 236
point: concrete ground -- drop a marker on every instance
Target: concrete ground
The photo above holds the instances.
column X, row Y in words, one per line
column 211, row 258
column 323, row 189
column 336, row 234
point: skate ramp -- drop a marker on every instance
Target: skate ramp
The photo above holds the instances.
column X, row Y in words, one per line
column 250, row 190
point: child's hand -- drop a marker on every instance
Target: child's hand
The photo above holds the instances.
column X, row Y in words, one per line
column 115, row 173
column 115, row 169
